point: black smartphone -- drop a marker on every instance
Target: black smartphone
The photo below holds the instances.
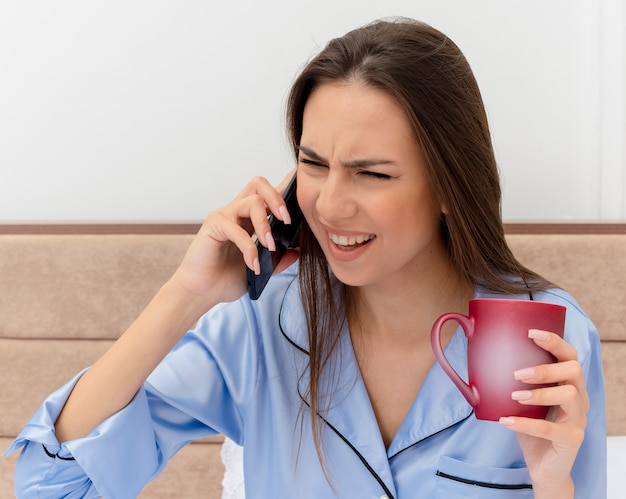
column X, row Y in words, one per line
column 285, row 236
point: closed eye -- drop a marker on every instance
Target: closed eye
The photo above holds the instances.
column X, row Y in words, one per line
column 311, row 162
column 376, row 175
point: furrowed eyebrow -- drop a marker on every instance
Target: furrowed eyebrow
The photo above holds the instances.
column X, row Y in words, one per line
column 312, row 154
column 357, row 163
column 366, row 163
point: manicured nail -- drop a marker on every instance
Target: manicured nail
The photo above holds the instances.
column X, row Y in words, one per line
column 269, row 242
column 256, row 266
column 537, row 334
column 521, row 395
column 522, row 374
column 284, row 215
column 506, row 421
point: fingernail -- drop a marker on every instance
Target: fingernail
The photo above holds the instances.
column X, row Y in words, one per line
column 269, row 242
column 537, row 334
column 284, row 215
column 521, row 395
column 256, row 266
column 506, row 421
column 522, row 374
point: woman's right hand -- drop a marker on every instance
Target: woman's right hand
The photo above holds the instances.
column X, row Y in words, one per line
column 211, row 272
column 213, row 267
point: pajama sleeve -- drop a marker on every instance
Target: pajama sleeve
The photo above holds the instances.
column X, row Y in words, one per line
column 200, row 389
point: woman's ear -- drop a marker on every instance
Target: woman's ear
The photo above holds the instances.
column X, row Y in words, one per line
column 439, row 198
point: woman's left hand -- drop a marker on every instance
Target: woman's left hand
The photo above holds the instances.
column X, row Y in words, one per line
column 550, row 446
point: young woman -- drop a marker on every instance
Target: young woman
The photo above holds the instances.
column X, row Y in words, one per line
column 328, row 379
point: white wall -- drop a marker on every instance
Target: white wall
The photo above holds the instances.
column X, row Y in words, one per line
column 161, row 110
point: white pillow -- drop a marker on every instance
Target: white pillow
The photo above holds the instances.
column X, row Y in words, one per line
column 232, row 457
column 616, row 468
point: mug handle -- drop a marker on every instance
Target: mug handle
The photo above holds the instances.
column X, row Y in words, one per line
column 467, row 323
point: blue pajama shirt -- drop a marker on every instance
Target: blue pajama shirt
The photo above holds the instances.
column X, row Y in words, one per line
column 243, row 372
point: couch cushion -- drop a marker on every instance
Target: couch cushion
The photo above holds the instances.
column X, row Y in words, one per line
column 31, row 369
column 93, row 286
column 81, row 286
column 589, row 266
column 613, row 356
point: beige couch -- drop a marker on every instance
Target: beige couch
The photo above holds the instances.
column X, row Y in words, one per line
column 66, row 292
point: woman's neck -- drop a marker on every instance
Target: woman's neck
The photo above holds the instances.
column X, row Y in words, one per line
column 410, row 310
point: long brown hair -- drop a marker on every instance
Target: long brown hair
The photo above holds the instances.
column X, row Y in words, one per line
column 431, row 79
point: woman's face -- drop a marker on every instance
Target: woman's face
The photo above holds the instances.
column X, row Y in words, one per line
column 364, row 189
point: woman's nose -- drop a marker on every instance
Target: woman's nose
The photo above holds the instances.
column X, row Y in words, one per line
column 336, row 198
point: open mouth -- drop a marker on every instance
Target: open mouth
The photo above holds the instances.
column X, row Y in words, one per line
column 350, row 242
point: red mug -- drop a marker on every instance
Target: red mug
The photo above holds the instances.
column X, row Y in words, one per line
column 497, row 345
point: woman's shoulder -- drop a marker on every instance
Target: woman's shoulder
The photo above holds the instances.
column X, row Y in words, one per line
column 575, row 313
column 560, row 297
column 580, row 330
column 253, row 318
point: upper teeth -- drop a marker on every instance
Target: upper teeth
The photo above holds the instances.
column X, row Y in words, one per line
column 349, row 241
